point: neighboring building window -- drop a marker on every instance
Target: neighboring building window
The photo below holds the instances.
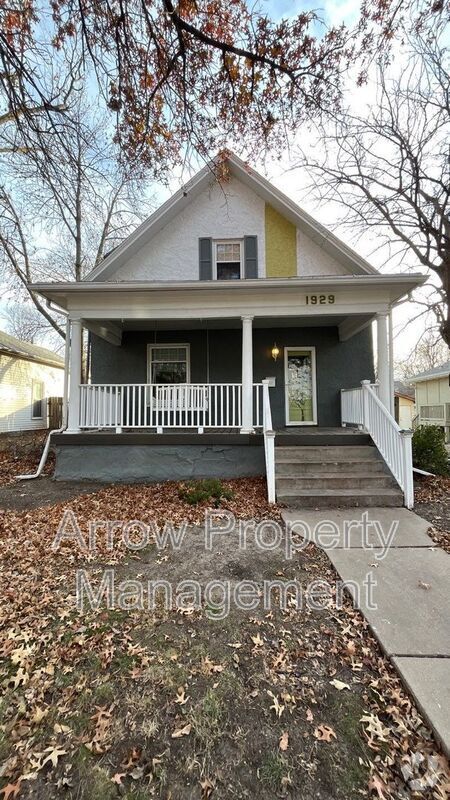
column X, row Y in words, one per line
column 228, row 260
column 432, row 412
column 169, row 363
column 37, row 399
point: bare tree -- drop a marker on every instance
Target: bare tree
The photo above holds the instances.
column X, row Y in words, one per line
column 59, row 215
column 429, row 352
column 389, row 170
column 24, row 322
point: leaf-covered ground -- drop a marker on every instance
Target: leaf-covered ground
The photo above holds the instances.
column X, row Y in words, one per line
column 432, row 501
column 172, row 704
column 20, row 454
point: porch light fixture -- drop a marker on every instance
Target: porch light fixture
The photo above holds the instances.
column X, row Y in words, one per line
column 275, row 352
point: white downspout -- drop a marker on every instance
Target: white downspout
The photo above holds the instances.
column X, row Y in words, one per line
column 44, row 455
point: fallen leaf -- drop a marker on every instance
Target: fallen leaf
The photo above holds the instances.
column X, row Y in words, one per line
column 11, row 790
column 276, row 705
column 38, row 714
column 181, row 698
column 207, row 788
column 324, row 733
column 209, row 667
column 117, row 778
column 339, row 685
column 378, row 786
column 182, row 731
column 284, row 741
column 54, row 753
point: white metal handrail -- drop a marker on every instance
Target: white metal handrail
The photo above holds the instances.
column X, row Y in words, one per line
column 181, row 405
column 364, row 408
column 269, row 443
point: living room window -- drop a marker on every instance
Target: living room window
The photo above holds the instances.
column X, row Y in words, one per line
column 228, row 260
column 168, row 363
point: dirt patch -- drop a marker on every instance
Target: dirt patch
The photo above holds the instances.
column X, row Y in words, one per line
column 432, row 502
column 43, row 491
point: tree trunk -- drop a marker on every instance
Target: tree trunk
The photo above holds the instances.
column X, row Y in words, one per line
column 445, row 326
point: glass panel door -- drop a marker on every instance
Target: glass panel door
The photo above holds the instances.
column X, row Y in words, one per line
column 300, row 383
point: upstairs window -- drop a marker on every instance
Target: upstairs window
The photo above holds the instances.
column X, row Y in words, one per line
column 228, row 260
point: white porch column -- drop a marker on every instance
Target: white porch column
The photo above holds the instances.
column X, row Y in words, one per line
column 391, row 366
column 74, row 376
column 383, row 359
column 247, row 374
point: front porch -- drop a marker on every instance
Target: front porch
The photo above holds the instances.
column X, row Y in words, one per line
column 241, row 359
column 210, row 374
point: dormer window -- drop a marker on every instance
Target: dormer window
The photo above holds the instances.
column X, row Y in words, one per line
column 228, row 260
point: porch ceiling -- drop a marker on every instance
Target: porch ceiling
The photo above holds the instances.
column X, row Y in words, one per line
column 112, row 329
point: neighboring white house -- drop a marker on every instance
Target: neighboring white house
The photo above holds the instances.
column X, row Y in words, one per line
column 404, row 405
column 433, row 397
column 29, row 375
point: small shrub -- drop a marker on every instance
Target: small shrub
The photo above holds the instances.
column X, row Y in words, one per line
column 205, row 490
column 429, row 451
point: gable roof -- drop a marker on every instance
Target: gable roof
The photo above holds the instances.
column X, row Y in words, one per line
column 29, row 352
column 353, row 262
column 437, row 372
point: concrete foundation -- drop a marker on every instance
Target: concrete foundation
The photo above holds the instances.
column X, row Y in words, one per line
column 134, row 462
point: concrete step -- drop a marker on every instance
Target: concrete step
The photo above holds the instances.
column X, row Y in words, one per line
column 324, row 454
column 288, row 466
column 343, row 438
column 367, row 481
column 341, row 498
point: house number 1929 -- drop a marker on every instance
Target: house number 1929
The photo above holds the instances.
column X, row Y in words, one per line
column 319, row 299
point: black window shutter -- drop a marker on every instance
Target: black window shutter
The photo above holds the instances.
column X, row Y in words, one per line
column 205, row 259
column 251, row 256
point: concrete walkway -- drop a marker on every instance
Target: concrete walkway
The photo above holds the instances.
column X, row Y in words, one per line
column 408, row 609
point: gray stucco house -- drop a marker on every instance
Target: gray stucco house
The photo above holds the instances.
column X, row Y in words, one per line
column 228, row 329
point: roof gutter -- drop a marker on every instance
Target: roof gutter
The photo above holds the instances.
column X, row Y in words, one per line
column 266, row 284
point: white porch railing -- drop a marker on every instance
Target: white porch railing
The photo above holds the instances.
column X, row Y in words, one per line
column 159, row 406
column 269, row 443
column 363, row 407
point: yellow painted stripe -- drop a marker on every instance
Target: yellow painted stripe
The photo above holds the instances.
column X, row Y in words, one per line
column 281, row 245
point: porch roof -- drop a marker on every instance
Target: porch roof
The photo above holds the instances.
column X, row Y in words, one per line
column 394, row 286
column 349, row 302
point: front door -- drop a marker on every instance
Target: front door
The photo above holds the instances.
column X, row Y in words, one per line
column 300, row 385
